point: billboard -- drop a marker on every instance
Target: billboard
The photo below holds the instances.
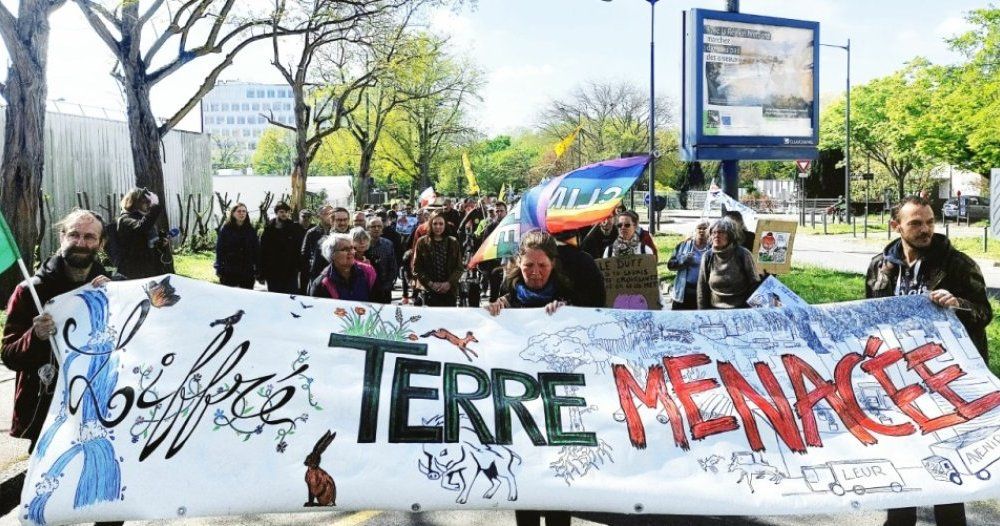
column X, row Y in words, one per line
column 751, row 87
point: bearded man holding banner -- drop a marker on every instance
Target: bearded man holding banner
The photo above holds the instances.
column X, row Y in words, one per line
column 922, row 262
column 26, row 348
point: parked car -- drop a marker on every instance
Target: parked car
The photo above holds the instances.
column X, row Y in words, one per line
column 973, row 206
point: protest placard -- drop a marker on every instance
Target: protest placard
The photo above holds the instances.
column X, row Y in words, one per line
column 630, row 282
column 772, row 248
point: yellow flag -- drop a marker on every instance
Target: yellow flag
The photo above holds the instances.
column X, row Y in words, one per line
column 503, row 192
column 565, row 144
column 473, row 185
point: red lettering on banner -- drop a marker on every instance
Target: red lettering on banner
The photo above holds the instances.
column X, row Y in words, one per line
column 842, row 378
column 939, row 383
column 780, row 414
column 805, row 401
column 700, row 428
column 655, row 391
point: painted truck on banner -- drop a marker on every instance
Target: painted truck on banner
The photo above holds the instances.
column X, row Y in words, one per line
column 859, row 476
column 970, row 453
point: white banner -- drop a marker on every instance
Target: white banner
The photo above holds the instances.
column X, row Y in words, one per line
column 180, row 398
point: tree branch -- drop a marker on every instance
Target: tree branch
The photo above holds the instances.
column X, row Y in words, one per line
column 87, row 6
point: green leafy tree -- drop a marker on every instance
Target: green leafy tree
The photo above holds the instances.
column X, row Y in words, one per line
column 275, row 153
column 885, row 123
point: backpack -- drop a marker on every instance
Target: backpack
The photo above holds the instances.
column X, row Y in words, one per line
column 111, row 245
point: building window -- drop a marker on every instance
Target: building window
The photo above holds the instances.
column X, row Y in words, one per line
column 245, row 107
column 250, row 93
column 252, row 145
column 270, row 93
column 230, row 120
column 246, row 133
column 288, row 107
column 225, row 106
column 266, row 106
column 241, row 120
column 255, row 106
column 260, row 94
column 214, row 107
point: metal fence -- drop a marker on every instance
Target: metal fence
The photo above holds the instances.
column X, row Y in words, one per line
column 92, row 155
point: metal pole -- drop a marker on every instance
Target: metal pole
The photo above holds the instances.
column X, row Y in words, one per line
column 847, row 150
column 652, row 117
column 731, row 168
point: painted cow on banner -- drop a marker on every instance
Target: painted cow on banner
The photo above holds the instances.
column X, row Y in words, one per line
column 459, row 465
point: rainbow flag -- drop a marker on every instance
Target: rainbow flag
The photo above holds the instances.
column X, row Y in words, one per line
column 574, row 200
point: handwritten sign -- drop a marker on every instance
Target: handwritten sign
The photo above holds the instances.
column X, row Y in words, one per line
column 179, row 397
column 630, row 282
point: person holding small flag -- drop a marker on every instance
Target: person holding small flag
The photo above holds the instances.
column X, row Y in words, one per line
column 26, row 335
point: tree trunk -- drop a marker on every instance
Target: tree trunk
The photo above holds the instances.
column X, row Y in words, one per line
column 144, row 134
column 24, row 134
column 364, row 176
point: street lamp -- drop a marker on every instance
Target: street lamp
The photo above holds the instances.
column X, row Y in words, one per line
column 652, row 117
column 847, row 127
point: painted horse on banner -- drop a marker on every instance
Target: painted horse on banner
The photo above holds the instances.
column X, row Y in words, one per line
column 459, row 465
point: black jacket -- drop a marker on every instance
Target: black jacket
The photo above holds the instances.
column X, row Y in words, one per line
column 280, row 249
column 237, row 251
column 135, row 235
column 581, row 270
column 596, row 241
column 943, row 267
column 310, row 258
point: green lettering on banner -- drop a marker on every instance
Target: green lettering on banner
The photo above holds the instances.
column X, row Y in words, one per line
column 453, row 399
column 375, row 350
column 400, row 430
column 553, row 415
column 503, row 403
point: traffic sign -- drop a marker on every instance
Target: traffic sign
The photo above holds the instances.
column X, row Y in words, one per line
column 803, row 165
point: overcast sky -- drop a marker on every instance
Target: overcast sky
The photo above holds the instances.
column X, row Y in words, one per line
column 532, row 51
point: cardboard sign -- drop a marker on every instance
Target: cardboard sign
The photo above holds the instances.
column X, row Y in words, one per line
column 772, row 249
column 631, row 282
column 177, row 397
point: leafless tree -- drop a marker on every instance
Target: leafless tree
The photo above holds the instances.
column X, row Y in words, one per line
column 26, row 37
column 613, row 118
column 193, row 29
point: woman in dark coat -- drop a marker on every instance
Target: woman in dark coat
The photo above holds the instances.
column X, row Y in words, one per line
column 237, row 250
column 537, row 281
column 438, row 264
column 728, row 276
column 138, row 251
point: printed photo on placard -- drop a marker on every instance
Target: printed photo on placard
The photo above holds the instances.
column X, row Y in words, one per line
column 772, row 249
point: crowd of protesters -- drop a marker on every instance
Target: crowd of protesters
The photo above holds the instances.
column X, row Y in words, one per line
column 361, row 255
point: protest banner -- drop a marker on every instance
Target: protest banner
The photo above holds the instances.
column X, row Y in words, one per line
column 772, row 248
column 177, row 397
column 630, row 282
column 773, row 293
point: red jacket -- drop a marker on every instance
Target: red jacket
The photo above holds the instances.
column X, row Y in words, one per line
column 23, row 353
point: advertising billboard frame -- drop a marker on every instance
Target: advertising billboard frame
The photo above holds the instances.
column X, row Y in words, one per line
column 698, row 146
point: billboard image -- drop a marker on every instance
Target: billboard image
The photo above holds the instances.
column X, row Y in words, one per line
column 750, row 87
column 758, row 79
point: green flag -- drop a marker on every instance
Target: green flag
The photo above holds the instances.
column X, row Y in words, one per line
column 8, row 248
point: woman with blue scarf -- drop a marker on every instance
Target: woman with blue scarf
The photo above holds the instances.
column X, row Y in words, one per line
column 536, row 281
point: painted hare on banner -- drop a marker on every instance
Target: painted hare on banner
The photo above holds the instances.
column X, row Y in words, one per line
column 322, row 489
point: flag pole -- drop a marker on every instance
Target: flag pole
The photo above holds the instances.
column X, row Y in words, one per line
column 30, row 285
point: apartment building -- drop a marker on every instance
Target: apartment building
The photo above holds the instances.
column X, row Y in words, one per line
column 235, row 113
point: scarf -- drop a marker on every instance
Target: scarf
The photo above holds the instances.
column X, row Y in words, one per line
column 535, row 298
column 622, row 247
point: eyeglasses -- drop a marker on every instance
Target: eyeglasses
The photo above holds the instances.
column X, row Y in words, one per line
column 625, row 225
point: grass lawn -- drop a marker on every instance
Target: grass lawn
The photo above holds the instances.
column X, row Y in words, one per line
column 875, row 224
column 197, row 265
